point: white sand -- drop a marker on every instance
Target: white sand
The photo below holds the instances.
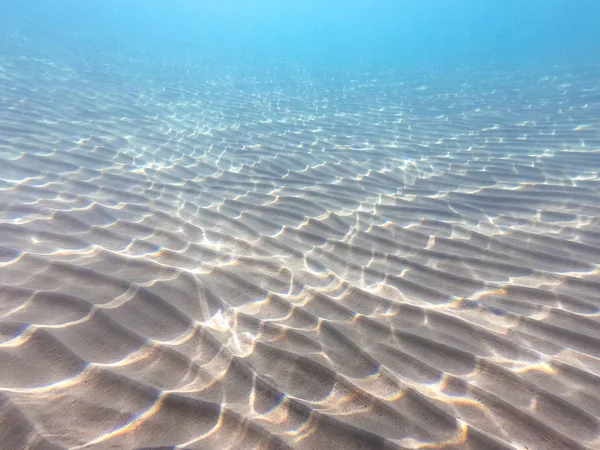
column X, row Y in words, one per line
column 235, row 262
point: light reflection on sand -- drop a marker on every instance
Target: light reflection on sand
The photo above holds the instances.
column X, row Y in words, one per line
column 235, row 259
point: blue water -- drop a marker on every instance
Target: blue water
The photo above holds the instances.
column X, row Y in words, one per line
column 402, row 32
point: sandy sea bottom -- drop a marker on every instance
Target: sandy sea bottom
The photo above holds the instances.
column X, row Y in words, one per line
column 244, row 258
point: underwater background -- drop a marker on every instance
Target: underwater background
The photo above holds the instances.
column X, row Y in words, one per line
column 308, row 225
column 444, row 33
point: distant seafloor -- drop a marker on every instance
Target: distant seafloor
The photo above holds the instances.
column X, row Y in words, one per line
column 205, row 256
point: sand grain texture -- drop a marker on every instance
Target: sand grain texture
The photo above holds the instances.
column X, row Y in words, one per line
column 234, row 259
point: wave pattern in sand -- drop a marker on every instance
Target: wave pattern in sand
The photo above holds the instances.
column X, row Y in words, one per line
column 282, row 261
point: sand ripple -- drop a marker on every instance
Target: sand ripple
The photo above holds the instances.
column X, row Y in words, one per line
column 240, row 259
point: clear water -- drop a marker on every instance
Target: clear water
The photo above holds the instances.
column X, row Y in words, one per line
column 359, row 224
column 389, row 33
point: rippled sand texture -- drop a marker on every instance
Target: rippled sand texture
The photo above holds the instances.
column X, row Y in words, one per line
column 284, row 259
